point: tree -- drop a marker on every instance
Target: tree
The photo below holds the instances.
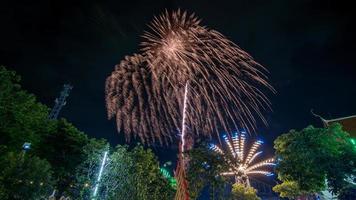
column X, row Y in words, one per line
column 24, row 177
column 289, row 189
column 75, row 159
column 242, row 192
column 310, row 158
column 23, row 119
column 127, row 174
column 86, row 172
column 63, row 149
column 148, row 180
column 204, row 168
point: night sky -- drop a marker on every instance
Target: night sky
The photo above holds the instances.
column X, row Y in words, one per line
column 308, row 46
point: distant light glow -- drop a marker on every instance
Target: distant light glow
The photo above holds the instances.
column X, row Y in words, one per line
column 172, row 181
column 270, row 174
column 26, row 146
column 353, row 141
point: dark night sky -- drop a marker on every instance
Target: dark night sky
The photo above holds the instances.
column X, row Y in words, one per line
column 309, row 48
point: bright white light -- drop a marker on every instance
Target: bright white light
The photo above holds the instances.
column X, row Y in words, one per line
column 228, row 173
column 100, row 174
column 216, row 149
column 242, row 145
column 266, row 173
column 229, row 145
column 268, row 162
column 254, row 157
column 252, row 151
column 96, row 190
column 235, row 142
column 184, row 116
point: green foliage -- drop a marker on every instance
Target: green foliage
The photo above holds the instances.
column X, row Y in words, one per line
column 86, row 172
column 75, row 159
column 148, row 180
column 133, row 175
column 204, row 165
column 289, row 189
column 242, row 192
column 24, row 177
column 63, row 149
column 309, row 157
column 22, row 118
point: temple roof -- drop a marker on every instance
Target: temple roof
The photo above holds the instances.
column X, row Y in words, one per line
column 348, row 123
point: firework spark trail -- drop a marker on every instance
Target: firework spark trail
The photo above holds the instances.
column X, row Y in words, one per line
column 130, row 98
column 226, row 86
column 184, row 113
column 223, row 78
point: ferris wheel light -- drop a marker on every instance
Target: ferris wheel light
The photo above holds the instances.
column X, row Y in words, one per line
column 243, row 166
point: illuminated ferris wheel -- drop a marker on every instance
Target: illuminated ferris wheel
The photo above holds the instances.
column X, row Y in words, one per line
column 243, row 162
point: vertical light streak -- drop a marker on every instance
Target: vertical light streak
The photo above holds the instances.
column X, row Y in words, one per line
column 242, row 145
column 235, row 140
column 229, row 145
column 100, row 174
column 184, row 116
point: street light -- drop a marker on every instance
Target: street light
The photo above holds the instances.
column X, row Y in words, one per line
column 26, row 146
